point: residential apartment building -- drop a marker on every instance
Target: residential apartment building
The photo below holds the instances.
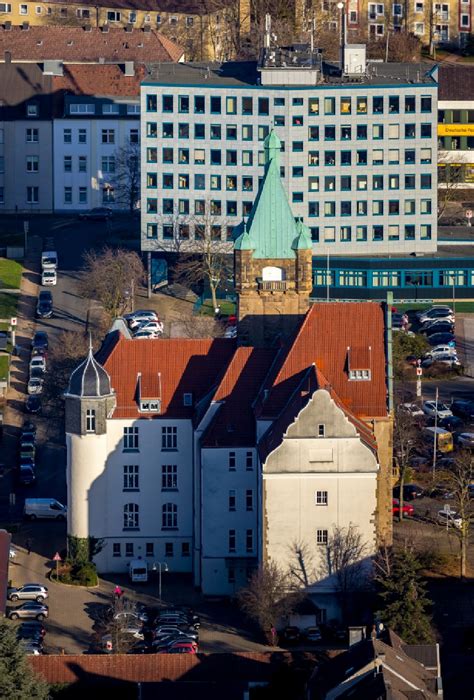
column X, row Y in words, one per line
column 206, row 32
column 214, row 457
column 433, row 23
column 456, row 127
column 26, row 139
column 358, row 145
column 96, row 139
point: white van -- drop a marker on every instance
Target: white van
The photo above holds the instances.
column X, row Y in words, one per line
column 49, row 260
column 138, row 571
column 49, row 277
column 44, row 508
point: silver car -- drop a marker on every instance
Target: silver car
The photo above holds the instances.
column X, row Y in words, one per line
column 30, row 591
column 29, row 611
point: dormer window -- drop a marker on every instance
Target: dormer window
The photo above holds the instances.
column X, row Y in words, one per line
column 187, row 399
column 359, row 363
column 32, row 110
column 149, row 393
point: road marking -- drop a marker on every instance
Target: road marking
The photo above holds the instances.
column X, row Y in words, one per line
column 61, row 224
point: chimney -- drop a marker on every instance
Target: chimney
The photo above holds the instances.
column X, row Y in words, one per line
column 129, row 27
column 8, row 57
column 25, row 26
column 87, row 28
column 101, row 60
column 129, row 69
column 7, row 26
column 105, row 28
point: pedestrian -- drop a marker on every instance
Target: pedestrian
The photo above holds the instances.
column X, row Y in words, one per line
column 28, row 544
column 117, row 592
column 217, row 312
column 274, row 636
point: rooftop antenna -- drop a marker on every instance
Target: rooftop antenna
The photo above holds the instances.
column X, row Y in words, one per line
column 268, row 28
column 312, row 29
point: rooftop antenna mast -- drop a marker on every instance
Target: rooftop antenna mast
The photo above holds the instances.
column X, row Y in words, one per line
column 268, row 29
column 312, row 29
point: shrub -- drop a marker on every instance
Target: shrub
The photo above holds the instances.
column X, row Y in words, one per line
column 78, row 574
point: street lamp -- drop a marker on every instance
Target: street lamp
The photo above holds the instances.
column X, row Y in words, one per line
column 159, row 566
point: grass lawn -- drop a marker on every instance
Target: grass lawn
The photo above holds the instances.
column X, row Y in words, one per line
column 227, row 307
column 3, row 367
column 8, row 303
column 461, row 306
column 10, row 274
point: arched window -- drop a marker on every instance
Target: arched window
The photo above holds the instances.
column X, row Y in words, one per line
column 130, row 516
column 169, row 518
column 273, row 274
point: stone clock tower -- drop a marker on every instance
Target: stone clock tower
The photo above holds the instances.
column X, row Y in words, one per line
column 272, row 261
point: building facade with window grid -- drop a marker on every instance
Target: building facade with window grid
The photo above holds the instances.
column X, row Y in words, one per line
column 90, row 142
column 358, row 158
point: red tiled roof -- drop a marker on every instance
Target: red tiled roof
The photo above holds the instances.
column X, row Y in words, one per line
column 98, row 79
column 186, row 366
column 192, row 7
column 74, row 45
column 323, row 338
column 456, row 82
column 157, row 667
column 359, row 357
column 234, row 423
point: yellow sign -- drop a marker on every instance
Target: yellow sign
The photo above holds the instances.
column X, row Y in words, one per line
column 455, row 129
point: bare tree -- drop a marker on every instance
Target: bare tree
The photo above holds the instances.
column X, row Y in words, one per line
column 126, row 181
column 459, row 480
column 405, row 443
column 116, row 626
column 270, row 596
column 452, row 183
column 344, row 560
column 302, row 566
column 200, row 327
column 111, row 278
column 210, row 262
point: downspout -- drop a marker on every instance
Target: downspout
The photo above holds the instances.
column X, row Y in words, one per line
column 389, row 350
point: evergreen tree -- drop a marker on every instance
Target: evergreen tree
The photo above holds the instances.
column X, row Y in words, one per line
column 17, row 680
column 402, row 594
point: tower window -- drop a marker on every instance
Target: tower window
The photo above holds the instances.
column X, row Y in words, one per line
column 321, row 430
column 130, row 438
column 322, row 537
column 90, row 421
column 131, row 516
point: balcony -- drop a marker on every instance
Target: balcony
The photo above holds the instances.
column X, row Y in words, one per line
column 267, row 286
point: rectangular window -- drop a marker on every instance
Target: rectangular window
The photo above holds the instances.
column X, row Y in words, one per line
column 185, row 549
column 110, row 109
column 130, row 438
column 90, row 420
column 32, row 195
column 32, row 136
column 232, row 541
column 247, row 105
column 313, row 106
column 321, row 537
column 68, row 195
column 329, row 105
column 232, row 461
column 321, row 498
column 169, row 477
column 116, row 550
column 82, row 164
column 169, row 437
column 169, row 550
column 32, row 164
column 232, row 500
column 129, row 549
column 108, row 136
column 130, row 477
column 249, row 500
column 82, row 195
column 249, row 541
column 231, row 105
column 377, row 105
column 82, row 108
column 249, row 461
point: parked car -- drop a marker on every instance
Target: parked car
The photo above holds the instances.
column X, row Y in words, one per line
column 27, row 451
column 44, row 309
column 28, row 430
column 38, row 361
column 441, row 350
column 466, row 440
column 410, row 492
column 442, row 339
column 131, row 615
column 183, row 610
column 290, row 634
column 439, row 328
column 435, row 323
column 406, row 510
column 439, row 409
column 437, row 311
column 447, row 359
column 166, row 630
column 49, row 278
column 35, row 382
column 26, row 475
column 162, row 643
column 446, row 462
column 451, row 423
column 32, row 647
column 96, row 214
column 140, row 316
column 146, row 335
column 412, row 360
column 29, row 610
column 181, row 648
column 29, row 591
column 155, row 326
column 412, row 409
column 33, row 404
column 312, row 634
column 463, row 408
column 40, row 340
column 451, row 519
column 31, row 628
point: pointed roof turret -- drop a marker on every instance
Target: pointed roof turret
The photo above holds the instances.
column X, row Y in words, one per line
column 272, row 231
column 303, row 242
column 244, row 242
column 89, row 379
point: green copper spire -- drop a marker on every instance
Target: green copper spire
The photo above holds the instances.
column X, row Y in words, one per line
column 272, row 231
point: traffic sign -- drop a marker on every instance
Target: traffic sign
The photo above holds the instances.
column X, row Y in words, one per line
column 13, row 321
column 419, row 371
column 57, row 557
